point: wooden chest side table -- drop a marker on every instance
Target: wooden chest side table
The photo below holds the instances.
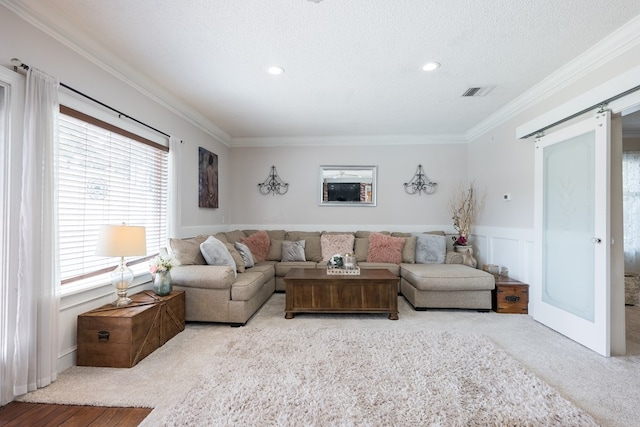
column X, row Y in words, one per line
column 120, row 337
column 510, row 296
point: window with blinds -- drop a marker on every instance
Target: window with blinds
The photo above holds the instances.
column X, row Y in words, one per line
column 106, row 175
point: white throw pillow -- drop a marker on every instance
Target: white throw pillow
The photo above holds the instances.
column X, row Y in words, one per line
column 430, row 249
column 216, row 253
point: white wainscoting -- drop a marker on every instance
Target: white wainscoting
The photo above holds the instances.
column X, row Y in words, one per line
column 507, row 247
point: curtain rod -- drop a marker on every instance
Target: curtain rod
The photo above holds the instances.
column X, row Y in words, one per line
column 19, row 64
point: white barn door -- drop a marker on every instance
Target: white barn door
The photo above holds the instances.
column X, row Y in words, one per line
column 573, row 237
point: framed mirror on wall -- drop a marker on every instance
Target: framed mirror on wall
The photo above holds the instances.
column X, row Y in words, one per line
column 348, row 185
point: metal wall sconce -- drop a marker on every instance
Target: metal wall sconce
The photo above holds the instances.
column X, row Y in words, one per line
column 419, row 183
column 273, row 184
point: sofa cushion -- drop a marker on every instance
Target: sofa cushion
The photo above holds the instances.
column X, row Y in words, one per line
column 247, row 285
column 392, row 267
column 282, row 268
column 302, row 235
column 187, row 251
column 384, row 248
column 401, row 234
column 446, row 277
column 366, row 234
column 312, row 249
column 333, row 244
column 275, row 250
column 277, row 234
column 222, row 237
column 237, row 258
column 409, row 249
column 258, row 243
column 215, row 252
column 245, row 253
column 267, row 269
column 430, row 248
column 361, row 248
column 234, row 236
column 293, row 251
column 203, row 276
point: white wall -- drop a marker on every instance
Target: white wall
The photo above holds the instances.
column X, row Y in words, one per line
column 445, row 164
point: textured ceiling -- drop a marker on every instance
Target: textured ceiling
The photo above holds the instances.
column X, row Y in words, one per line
column 353, row 67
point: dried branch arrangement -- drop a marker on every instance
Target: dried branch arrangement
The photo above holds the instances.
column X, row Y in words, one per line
column 465, row 207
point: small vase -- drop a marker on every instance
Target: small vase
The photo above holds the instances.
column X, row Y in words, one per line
column 162, row 283
column 467, row 255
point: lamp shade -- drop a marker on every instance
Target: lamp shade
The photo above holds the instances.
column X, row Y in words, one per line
column 121, row 241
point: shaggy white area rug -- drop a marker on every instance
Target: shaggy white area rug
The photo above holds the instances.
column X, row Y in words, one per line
column 352, row 377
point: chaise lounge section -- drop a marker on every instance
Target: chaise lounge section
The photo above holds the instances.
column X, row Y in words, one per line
column 446, row 286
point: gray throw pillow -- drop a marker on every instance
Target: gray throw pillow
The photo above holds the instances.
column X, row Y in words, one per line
column 216, row 253
column 246, row 254
column 430, row 249
column 293, row 251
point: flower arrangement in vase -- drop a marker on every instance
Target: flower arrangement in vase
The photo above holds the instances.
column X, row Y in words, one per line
column 465, row 207
column 160, row 264
column 160, row 268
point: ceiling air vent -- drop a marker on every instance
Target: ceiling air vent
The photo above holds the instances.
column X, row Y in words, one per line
column 478, row 91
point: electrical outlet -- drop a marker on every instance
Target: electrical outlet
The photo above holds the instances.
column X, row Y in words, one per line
column 506, row 197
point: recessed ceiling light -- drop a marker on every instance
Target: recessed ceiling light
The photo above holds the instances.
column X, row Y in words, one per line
column 275, row 70
column 430, row 66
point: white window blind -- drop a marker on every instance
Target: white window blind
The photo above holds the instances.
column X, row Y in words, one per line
column 106, row 176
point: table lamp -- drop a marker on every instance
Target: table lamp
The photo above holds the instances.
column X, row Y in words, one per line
column 121, row 240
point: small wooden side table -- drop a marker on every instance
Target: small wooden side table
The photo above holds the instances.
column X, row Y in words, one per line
column 120, row 337
column 510, row 296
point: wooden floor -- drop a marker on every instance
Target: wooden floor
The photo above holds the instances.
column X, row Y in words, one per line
column 42, row 415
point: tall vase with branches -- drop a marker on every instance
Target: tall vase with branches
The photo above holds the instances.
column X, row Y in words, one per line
column 465, row 205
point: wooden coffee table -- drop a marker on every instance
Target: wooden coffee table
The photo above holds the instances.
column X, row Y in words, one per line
column 314, row 291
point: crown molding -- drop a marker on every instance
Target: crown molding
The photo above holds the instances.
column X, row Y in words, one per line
column 114, row 66
column 368, row 140
column 616, row 44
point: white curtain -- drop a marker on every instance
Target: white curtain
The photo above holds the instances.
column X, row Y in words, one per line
column 631, row 209
column 38, row 286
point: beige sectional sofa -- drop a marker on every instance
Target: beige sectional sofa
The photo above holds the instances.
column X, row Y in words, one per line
column 217, row 293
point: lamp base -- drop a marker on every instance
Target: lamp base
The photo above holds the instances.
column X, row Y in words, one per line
column 121, row 301
column 121, row 278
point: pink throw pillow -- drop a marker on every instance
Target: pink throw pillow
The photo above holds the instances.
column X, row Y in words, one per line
column 383, row 248
column 258, row 244
column 334, row 244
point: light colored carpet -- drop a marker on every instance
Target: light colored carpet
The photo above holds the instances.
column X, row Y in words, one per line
column 607, row 389
column 357, row 377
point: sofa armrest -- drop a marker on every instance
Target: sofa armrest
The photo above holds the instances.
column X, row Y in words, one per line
column 203, row 276
column 453, row 257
